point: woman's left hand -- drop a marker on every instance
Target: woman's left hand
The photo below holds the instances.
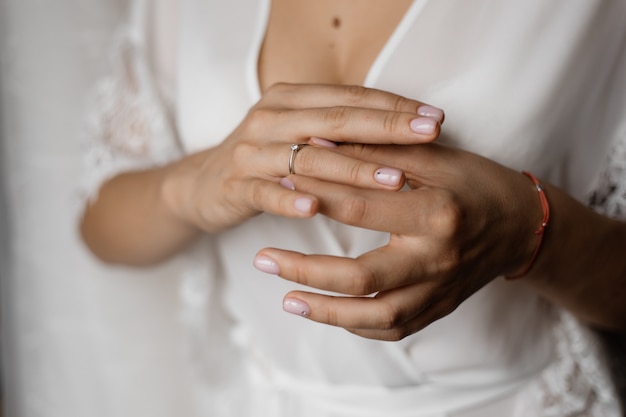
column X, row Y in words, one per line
column 465, row 221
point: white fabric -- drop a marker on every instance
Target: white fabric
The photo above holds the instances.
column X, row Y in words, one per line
column 528, row 84
column 130, row 129
column 609, row 196
column 80, row 339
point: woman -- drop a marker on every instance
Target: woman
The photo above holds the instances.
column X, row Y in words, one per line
column 199, row 141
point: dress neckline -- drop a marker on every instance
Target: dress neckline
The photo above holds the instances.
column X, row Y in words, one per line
column 373, row 73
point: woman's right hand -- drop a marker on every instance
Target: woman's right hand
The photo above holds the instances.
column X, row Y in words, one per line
column 243, row 176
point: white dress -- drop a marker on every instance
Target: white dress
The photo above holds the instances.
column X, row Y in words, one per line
column 534, row 85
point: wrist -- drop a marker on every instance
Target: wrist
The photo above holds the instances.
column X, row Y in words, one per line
column 537, row 240
column 176, row 191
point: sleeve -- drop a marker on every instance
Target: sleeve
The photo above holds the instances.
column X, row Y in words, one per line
column 126, row 125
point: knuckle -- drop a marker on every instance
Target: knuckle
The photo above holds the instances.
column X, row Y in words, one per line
column 352, row 172
column 450, row 217
column 362, row 152
column 444, row 263
column 258, row 119
column 269, row 95
column 256, row 195
column 242, row 153
column 284, row 204
column 331, row 316
column 444, row 308
column 277, row 89
column 336, row 117
column 448, row 306
column 299, row 273
column 390, row 123
column 401, row 104
column 362, row 281
column 283, row 86
column 357, row 93
column 354, row 210
column 450, row 262
column 396, row 335
column 391, row 317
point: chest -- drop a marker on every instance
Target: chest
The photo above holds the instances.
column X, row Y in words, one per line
column 508, row 94
column 325, row 41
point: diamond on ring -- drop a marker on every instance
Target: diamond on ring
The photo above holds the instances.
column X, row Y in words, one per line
column 295, row 148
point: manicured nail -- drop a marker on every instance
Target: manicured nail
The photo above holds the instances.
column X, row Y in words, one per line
column 432, row 112
column 303, row 204
column 423, row 125
column 323, row 142
column 297, row 307
column 388, row 176
column 287, row 183
column 266, row 264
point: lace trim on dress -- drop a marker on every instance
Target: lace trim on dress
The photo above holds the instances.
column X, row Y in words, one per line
column 577, row 382
column 127, row 128
column 609, row 196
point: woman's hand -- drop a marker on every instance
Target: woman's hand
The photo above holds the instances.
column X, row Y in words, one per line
column 464, row 221
column 223, row 186
column 143, row 217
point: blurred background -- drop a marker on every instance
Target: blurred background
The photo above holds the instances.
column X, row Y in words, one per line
column 78, row 338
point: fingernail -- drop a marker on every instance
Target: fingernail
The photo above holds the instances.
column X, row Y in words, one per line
column 303, row 204
column 287, row 183
column 432, row 112
column 266, row 264
column 388, row 176
column 423, row 125
column 323, row 142
column 297, row 307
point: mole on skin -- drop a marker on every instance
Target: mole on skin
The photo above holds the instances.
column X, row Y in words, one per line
column 336, row 22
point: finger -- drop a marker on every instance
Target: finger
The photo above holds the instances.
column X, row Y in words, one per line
column 300, row 96
column 270, row 197
column 418, row 162
column 423, row 210
column 351, row 124
column 325, row 272
column 425, row 318
column 389, row 316
column 333, row 167
column 382, row 269
column 273, row 161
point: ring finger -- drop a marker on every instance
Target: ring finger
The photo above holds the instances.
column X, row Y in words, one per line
column 273, row 162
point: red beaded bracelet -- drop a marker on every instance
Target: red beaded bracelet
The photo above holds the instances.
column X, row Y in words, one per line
column 545, row 207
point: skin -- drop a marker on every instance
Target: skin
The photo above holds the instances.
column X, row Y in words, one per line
column 144, row 217
column 449, row 236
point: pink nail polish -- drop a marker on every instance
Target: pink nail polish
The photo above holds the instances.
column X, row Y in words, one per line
column 323, row 142
column 432, row 112
column 423, row 125
column 388, row 176
column 285, row 182
column 266, row 264
column 303, row 204
column 297, row 307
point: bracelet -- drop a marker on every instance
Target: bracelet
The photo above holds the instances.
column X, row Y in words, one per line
column 545, row 207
